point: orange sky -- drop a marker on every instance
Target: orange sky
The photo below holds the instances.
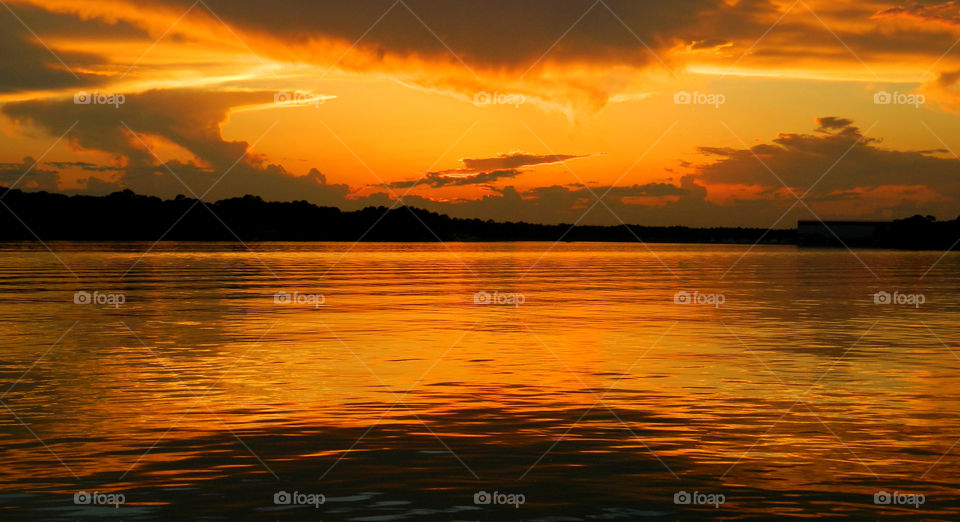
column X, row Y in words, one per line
column 547, row 98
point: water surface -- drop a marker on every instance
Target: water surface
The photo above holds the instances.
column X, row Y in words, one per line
column 577, row 375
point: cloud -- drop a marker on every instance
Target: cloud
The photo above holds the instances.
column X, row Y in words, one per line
column 830, row 123
column 437, row 179
column 28, row 66
column 514, row 160
column 32, row 61
column 476, row 171
column 946, row 13
column 943, row 90
column 840, row 163
column 185, row 118
column 571, row 56
column 84, row 165
column 27, row 175
column 429, row 28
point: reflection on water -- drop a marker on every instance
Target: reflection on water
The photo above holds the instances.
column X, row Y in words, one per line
column 597, row 380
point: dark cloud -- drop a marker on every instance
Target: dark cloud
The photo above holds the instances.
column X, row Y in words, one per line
column 506, row 34
column 436, row 179
column 865, row 171
column 189, row 119
column 830, row 123
column 28, row 65
column 526, row 31
column 493, row 42
column 542, row 32
column 28, row 176
column 945, row 12
column 84, row 165
column 477, row 171
column 481, row 32
column 515, row 160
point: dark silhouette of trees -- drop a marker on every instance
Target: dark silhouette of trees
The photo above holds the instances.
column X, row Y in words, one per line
column 128, row 216
column 921, row 233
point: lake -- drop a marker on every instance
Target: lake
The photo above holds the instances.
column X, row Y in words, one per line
column 477, row 381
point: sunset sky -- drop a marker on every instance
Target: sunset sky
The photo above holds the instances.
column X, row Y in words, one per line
column 495, row 109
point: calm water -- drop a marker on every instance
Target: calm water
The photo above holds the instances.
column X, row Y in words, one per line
column 388, row 385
